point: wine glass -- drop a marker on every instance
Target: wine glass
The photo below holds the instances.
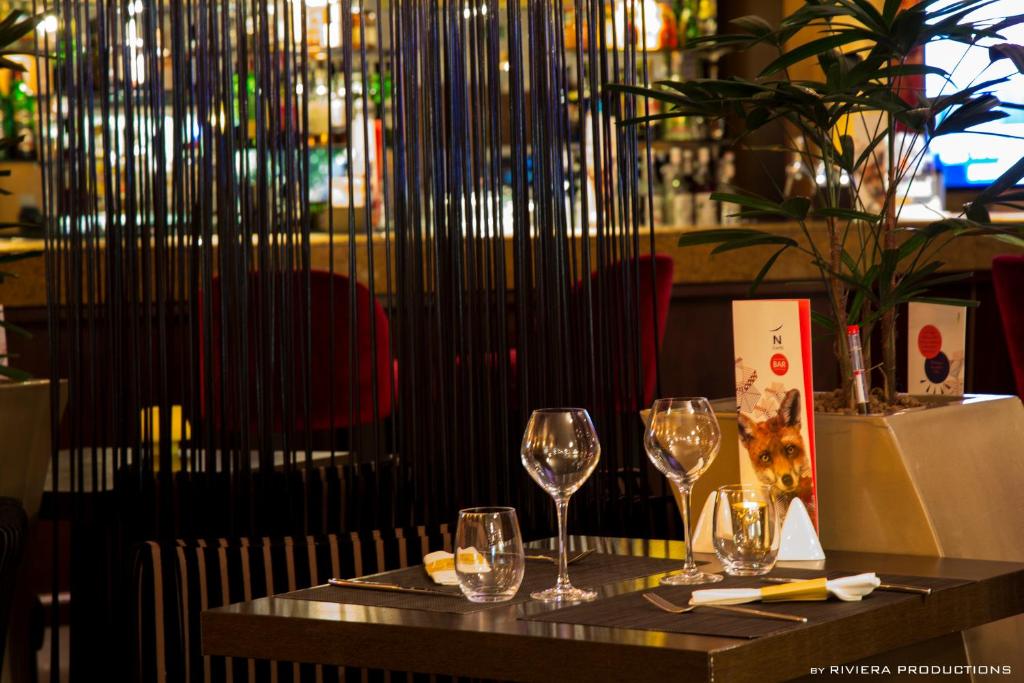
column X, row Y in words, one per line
column 560, row 450
column 682, row 440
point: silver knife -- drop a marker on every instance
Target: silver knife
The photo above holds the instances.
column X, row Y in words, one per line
column 894, row 587
column 391, row 587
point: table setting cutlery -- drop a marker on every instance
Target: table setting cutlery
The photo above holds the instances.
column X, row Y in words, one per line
column 846, row 589
column 671, row 607
column 391, row 587
column 883, row 586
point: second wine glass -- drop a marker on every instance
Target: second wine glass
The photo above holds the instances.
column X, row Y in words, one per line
column 560, row 449
column 682, row 440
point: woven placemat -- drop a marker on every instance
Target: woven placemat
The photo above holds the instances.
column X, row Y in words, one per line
column 633, row 612
column 596, row 570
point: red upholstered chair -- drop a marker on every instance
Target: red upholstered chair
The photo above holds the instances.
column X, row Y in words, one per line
column 1008, row 277
column 654, row 294
column 353, row 395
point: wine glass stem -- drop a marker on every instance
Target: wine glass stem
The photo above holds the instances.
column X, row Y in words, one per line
column 562, row 506
column 684, row 492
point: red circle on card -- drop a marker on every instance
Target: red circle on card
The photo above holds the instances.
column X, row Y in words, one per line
column 929, row 341
column 780, row 364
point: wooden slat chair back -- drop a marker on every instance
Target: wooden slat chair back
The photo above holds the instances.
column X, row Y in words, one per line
column 176, row 580
column 13, row 529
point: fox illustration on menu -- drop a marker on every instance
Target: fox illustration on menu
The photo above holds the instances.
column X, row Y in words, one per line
column 778, row 454
column 774, row 398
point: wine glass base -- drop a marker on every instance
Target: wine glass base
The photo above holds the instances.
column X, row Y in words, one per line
column 693, row 578
column 568, row 594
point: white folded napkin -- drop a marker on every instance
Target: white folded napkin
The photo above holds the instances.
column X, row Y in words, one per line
column 853, row 588
column 440, row 565
column 848, row 589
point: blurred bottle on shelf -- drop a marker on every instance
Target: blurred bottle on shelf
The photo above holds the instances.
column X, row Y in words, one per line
column 728, row 211
column 589, row 150
column 6, row 128
column 845, row 198
column 23, row 116
column 713, row 129
column 799, row 179
column 319, row 104
column 685, row 199
column 569, row 28
column 920, row 195
column 657, row 190
column 380, row 94
column 681, row 189
column 644, row 188
column 337, row 105
column 365, row 29
column 705, row 209
column 668, row 35
column 670, row 176
column 687, row 12
column 679, row 127
column 707, row 17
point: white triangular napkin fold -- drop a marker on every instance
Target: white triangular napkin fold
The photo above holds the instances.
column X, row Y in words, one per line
column 799, row 539
column 702, row 538
column 847, row 589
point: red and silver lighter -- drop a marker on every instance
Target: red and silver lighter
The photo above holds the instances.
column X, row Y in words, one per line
column 860, row 384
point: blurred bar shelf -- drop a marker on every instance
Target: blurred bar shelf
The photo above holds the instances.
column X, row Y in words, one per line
column 693, row 265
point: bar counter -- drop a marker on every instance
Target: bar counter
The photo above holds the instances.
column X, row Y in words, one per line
column 693, row 265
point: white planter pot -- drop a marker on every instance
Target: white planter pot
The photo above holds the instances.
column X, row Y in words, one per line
column 947, row 481
column 25, row 440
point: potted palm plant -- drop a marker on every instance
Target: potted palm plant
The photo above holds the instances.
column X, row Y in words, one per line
column 868, row 130
column 928, row 482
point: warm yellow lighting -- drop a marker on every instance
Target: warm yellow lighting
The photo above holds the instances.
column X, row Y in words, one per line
column 180, row 430
column 48, row 24
column 650, row 17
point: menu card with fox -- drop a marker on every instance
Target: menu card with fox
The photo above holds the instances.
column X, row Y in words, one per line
column 775, row 398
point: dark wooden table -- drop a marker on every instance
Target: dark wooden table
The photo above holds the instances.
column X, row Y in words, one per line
column 495, row 644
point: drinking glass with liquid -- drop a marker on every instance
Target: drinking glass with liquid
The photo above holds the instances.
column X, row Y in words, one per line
column 489, row 558
column 746, row 529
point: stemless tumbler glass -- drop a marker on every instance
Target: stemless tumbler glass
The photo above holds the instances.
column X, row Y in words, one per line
column 560, row 449
column 746, row 529
column 682, row 440
column 489, row 560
